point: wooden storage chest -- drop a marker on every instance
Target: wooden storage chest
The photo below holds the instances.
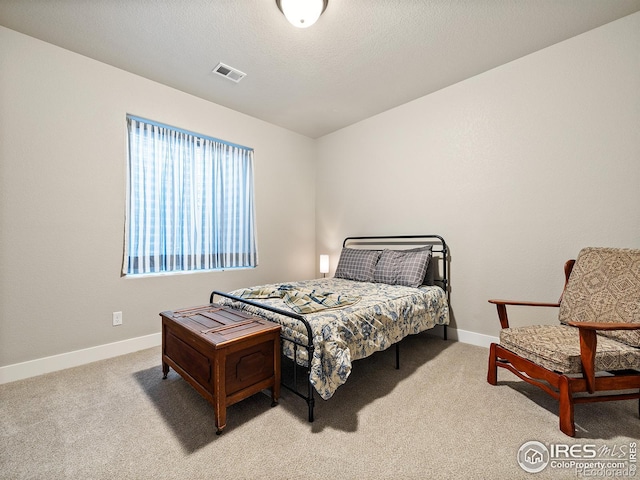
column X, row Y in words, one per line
column 226, row 355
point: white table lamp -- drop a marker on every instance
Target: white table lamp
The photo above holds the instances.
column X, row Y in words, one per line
column 324, row 264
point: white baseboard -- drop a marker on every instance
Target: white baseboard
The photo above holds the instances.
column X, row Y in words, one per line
column 40, row 366
column 471, row 338
column 32, row 368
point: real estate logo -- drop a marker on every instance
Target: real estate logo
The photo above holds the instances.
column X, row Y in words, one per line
column 533, row 457
column 585, row 460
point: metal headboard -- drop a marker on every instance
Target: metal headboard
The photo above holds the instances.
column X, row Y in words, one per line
column 438, row 248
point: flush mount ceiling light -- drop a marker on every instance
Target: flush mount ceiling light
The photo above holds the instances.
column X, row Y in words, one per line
column 302, row 13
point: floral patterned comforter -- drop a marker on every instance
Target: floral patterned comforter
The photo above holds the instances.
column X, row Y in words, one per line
column 384, row 315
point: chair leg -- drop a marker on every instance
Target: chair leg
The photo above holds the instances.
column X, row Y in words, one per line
column 567, row 424
column 492, row 373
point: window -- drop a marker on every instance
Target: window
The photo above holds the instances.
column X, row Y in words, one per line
column 189, row 202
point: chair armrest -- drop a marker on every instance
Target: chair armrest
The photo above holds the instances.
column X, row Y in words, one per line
column 588, row 345
column 524, row 303
column 605, row 326
column 502, row 308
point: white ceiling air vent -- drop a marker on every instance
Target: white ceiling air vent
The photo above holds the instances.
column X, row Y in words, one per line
column 231, row 73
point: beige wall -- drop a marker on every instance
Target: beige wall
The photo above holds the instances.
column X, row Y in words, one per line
column 62, row 188
column 518, row 168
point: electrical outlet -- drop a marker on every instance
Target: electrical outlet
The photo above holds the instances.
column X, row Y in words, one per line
column 117, row 318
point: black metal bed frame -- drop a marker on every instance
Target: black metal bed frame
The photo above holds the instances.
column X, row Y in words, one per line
column 438, row 245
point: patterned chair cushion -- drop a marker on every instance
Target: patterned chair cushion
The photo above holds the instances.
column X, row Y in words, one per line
column 604, row 286
column 557, row 348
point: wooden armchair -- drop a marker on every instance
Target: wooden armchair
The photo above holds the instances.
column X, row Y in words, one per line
column 596, row 348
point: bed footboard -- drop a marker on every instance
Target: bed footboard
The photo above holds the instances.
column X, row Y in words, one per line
column 301, row 387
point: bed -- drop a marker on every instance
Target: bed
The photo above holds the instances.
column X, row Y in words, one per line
column 384, row 289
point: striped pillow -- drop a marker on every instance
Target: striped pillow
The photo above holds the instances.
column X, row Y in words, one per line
column 357, row 264
column 403, row 267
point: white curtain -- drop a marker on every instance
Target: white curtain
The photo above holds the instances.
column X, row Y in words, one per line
column 189, row 204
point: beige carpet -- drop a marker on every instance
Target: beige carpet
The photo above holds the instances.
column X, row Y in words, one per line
column 436, row 417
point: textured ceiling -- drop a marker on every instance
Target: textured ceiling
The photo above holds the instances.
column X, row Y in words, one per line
column 362, row 57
